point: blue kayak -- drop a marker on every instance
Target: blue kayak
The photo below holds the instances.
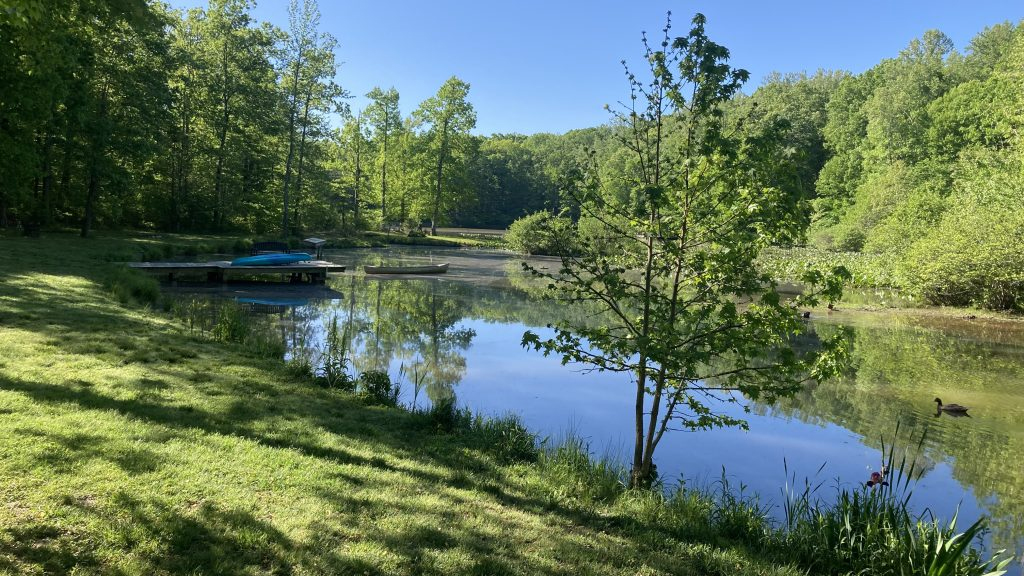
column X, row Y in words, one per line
column 271, row 259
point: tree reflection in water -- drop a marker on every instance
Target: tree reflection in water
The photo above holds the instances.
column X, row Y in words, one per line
column 899, row 367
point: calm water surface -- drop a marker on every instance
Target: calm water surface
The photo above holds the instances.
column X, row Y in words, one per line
column 460, row 334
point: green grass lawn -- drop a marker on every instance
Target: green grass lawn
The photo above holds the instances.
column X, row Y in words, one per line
column 129, row 446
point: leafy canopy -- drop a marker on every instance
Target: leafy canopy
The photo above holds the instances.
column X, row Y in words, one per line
column 680, row 306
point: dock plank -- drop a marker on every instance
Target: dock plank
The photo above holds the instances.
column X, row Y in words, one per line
column 220, row 270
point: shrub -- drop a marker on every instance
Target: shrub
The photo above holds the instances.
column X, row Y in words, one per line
column 242, row 246
column 973, row 256
column 849, row 238
column 132, row 286
column 376, row 386
column 506, row 438
column 541, row 233
column 445, row 416
column 596, row 234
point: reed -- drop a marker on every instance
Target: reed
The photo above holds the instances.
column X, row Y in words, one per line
column 874, row 530
column 332, row 371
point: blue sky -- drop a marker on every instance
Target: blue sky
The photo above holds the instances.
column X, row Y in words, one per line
column 551, row 66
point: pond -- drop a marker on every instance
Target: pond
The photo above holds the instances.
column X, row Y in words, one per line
column 459, row 334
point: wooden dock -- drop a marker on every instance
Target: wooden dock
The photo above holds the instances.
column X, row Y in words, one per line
column 313, row 272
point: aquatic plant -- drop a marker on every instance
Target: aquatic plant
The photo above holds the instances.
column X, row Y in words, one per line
column 506, row 438
column 573, row 475
column 444, row 415
column 332, row 371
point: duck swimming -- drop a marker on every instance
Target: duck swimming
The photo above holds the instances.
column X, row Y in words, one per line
column 877, row 479
column 954, row 408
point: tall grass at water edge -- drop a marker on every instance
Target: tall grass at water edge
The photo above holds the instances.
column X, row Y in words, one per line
column 874, row 530
column 863, row 531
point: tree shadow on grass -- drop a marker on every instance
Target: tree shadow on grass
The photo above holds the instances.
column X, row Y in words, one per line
column 183, row 418
column 70, row 451
column 219, row 540
column 46, row 546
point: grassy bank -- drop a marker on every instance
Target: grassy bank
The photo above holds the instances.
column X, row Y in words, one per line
column 129, row 445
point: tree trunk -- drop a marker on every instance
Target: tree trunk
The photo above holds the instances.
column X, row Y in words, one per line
column 91, row 196
column 183, row 191
column 48, row 179
column 302, row 155
column 440, row 171
column 173, row 195
column 384, row 172
column 642, row 474
column 403, row 208
column 358, row 177
column 292, row 112
column 218, row 182
column 67, row 155
column 98, row 149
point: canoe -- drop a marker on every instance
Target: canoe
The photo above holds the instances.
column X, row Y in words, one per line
column 271, row 259
column 424, row 269
column 288, row 302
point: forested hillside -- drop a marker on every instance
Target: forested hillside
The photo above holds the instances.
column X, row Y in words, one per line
column 925, row 166
column 124, row 113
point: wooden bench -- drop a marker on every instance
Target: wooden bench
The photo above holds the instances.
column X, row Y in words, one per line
column 269, row 247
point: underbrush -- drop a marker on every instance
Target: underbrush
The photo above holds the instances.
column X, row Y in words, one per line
column 132, row 287
column 866, row 270
column 937, row 273
column 405, row 240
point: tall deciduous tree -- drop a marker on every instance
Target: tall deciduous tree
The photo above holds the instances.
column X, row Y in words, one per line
column 308, row 70
column 448, row 117
column 124, row 96
column 355, row 151
column 684, row 312
column 385, row 120
column 509, row 182
column 225, row 121
column 237, row 80
column 799, row 100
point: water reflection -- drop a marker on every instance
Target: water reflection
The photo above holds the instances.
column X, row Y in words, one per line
column 413, row 323
column 460, row 334
column 900, row 366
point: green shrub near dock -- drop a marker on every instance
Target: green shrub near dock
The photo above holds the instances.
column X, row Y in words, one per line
column 133, row 443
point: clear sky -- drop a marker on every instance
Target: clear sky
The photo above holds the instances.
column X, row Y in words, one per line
column 551, row 65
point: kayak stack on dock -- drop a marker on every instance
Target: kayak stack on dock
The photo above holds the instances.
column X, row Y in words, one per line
column 272, row 259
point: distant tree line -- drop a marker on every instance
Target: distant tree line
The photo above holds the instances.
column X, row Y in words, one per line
column 921, row 160
column 124, row 113
column 127, row 114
